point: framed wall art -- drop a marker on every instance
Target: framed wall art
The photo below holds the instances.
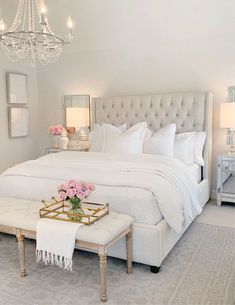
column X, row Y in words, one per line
column 17, row 88
column 18, row 118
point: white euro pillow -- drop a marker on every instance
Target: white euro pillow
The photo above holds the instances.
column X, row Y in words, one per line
column 130, row 141
column 160, row 142
column 189, row 147
column 96, row 137
column 184, row 148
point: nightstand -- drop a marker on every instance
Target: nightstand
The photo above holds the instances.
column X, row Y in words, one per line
column 226, row 178
column 50, row 150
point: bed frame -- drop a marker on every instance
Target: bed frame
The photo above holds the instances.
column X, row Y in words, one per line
column 190, row 111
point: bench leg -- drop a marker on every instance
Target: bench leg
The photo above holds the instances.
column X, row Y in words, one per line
column 103, row 273
column 21, row 247
column 129, row 250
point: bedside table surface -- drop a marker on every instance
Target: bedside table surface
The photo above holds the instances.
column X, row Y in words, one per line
column 227, row 155
column 76, row 148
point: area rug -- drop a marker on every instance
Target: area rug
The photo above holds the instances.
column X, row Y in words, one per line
column 198, row 271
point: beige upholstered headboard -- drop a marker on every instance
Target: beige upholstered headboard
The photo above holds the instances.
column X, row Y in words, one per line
column 190, row 111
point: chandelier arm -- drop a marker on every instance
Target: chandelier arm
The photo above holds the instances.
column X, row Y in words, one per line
column 11, row 34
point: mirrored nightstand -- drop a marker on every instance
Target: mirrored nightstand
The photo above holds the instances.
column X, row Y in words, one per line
column 226, row 178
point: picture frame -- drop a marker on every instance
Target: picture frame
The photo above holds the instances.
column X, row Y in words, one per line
column 18, row 118
column 17, row 88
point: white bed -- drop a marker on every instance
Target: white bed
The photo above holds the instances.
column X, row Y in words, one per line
column 155, row 230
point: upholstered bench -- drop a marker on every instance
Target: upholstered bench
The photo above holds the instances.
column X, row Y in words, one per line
column 19, row 217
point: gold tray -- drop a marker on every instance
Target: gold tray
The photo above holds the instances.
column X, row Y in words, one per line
column 60, row 210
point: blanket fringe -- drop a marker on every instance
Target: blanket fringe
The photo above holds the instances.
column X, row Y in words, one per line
column 53, row 259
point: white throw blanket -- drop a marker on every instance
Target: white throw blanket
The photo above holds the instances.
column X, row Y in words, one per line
column 56, row 242
column 175, row 191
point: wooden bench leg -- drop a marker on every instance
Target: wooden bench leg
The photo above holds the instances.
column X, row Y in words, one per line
column 21, row 247
column 129, row 250
column 103, row 273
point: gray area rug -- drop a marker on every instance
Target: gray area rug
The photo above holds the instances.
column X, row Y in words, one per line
column 198, row 271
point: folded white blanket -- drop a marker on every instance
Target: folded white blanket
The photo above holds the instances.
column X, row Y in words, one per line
column 56, row 242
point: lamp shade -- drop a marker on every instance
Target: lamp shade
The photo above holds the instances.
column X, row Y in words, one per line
column 227, row 115
column 77, row 116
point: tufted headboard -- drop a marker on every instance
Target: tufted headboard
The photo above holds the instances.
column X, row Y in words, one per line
column 190, row 111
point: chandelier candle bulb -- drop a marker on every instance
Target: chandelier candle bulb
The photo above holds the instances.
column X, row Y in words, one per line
column 43, row 14
column 43, row 9
column 2, row 25
column 70, row 23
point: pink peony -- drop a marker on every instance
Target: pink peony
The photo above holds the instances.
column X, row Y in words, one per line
column 73, row 189
column 62, row 195
column 71, row 193
column 72, row 183
column 65, row 186
column 56, row 130
column 90, row 187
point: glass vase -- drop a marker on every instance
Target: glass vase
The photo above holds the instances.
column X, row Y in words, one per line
column 76, row 210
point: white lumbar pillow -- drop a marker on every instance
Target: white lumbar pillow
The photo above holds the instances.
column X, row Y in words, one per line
column 97, row 137
column 130, row 141
column 160, row 142
column 189, row 147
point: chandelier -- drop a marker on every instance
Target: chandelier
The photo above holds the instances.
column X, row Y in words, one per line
column 30, row 35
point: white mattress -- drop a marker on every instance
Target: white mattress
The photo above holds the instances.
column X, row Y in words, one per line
column 195, row 171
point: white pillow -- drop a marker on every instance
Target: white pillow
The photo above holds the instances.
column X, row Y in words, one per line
column 96, row 137
column 131, row 141
column 195, row 143
column 199, row 142
column 184, row 147
column 160, row 142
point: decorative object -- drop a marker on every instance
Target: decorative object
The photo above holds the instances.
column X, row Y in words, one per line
column 17, row 88
column 61, row 210
column 18, row 122
column 75, row 192
column 63, row 141
column 227, row 120
column 56, row 139
column 58, row 132
column 77, row 109
column 30, row 35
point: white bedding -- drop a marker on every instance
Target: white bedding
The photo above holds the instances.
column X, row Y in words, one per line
column 195, row 171
column 119, row 179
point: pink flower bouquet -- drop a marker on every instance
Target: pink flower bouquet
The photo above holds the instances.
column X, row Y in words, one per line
column 56, row 130
column 75, row 192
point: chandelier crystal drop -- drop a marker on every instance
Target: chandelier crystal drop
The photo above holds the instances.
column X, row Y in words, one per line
column 30, row 35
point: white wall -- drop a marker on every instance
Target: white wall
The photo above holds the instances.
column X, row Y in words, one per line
column 13, row 151
column 136, row 47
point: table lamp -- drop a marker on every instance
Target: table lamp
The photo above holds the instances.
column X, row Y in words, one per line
column 78, row 117
column 227, row 120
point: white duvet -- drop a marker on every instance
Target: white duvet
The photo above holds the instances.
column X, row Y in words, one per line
column 175, row 191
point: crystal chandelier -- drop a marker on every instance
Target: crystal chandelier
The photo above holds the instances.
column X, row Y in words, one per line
column 30, row 36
